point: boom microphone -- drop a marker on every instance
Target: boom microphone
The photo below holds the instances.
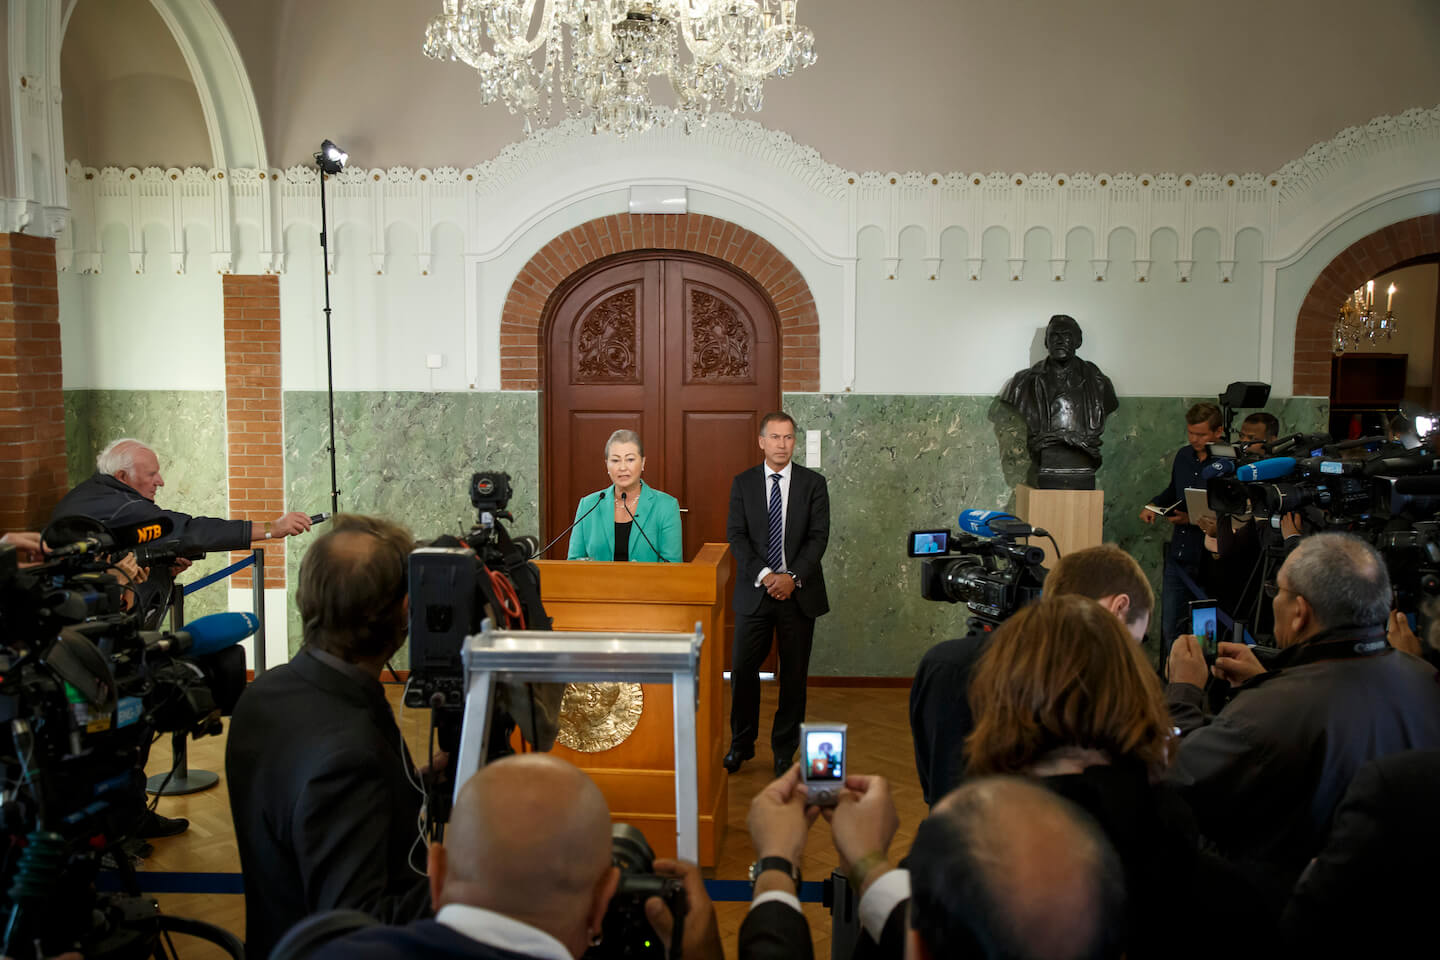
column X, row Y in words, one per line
column 1217, row 467
column 220, row 631
column 1274, row 468
column 81, row 534
column 541, row 553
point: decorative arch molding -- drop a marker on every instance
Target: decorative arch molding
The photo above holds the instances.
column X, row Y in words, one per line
column 522, row 319
column 1361, row 261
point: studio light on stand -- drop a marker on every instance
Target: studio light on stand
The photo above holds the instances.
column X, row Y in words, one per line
column 331, row 160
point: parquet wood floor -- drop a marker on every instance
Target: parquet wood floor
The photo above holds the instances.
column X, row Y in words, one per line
column 879, row 743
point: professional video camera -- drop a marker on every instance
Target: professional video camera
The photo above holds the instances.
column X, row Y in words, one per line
column 456, row 583
column 83, row 691
column 992, row 575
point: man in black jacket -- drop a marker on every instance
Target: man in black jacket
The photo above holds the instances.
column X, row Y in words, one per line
column 1002, row 867
column 323, row 791
column 1264, row 777
column 122, row 491
column 778, row 527
column 940, row 717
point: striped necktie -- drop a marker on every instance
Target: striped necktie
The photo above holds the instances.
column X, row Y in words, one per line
column 776, row 554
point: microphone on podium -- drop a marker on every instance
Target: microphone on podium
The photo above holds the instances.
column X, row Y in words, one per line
column 541, row 553
column 626, row 505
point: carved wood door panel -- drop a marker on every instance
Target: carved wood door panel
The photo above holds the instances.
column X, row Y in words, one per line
column 683, row 350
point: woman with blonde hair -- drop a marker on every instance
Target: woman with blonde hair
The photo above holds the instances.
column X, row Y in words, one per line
column 1064, row 694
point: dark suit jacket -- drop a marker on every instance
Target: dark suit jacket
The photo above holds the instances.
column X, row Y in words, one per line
column 1382, row 847
column 807, row 531
column 324, row 812
column 778, row 930
column 426, row 940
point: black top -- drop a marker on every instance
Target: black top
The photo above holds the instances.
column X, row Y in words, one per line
column 425, row 940
column 622, row 540
column 940, row 717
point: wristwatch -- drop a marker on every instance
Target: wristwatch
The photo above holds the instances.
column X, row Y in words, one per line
column 798, row 584
column 774, row 863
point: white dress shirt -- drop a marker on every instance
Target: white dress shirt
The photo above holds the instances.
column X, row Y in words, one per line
column 875, row 907
column 497, row 930
column 784, row 513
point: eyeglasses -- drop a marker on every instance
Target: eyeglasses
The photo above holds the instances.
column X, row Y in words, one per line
column 1273, row 590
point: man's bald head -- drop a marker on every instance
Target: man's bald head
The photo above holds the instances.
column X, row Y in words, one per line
column 1008, row 866
column 530, row 838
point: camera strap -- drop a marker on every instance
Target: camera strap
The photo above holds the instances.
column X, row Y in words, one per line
column 1339, row 643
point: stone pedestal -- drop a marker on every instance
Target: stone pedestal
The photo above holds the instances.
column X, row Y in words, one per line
column 1073, row 517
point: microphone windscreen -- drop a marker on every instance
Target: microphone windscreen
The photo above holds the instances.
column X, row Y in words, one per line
column 1271, row 469
column 978, row 521
column 220, row 631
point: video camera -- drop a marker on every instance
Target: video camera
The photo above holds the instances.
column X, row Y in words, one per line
column 991, row 574
column 83, row 691
column 456, row 583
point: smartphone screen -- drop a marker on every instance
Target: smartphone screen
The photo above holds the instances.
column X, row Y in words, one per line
column 929, row 543
column 1205, row 626
column 825, row 754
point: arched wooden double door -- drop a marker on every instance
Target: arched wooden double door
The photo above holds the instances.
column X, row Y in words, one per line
column 682, row 349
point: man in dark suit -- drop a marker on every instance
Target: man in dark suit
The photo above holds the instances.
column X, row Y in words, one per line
column 526, row 872
column 778, row 527
column 1003, row 867
column 323, row 791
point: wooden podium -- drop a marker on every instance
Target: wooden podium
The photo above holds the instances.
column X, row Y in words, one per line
column 1073, row 517
column 638, row 776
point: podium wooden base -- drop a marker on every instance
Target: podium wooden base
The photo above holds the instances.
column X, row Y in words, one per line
column 1073, row 517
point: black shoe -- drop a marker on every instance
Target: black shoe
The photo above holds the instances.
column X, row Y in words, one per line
column 735, row 757
column 782, row 766
column 152, row 826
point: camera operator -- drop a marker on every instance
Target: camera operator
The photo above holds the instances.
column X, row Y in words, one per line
column 323, row 791
column 1204, row 424
column 1265, row 775
column 1001, row 862
column 122, row 491
column 940, row 715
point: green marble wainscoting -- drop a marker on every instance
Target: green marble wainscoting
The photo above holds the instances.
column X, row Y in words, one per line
column 186, row 428
column 899, row 463
column 408, row 457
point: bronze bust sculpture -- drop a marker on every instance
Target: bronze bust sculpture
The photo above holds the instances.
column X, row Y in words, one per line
column 1064, row 401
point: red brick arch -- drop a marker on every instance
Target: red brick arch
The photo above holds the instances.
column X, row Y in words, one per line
column 1361, row 261
column 521, row 336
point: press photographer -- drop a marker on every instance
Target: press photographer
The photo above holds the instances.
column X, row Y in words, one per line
column 122, row 491
column 83, row 692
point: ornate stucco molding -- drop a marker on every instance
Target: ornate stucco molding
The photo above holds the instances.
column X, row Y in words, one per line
column 740, row 157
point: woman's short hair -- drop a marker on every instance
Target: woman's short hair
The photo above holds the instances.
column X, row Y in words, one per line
column 1063, row 672
column 352, row 587
column 624, row 436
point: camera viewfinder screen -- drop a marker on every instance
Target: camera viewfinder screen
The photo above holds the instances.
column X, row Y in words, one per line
column 824, row 755
column 929, row 543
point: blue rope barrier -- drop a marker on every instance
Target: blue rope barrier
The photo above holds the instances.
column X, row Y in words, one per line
column 721, row 891
column 218, row 575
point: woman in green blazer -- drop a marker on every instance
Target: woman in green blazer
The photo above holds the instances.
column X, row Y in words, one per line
column 628, row 520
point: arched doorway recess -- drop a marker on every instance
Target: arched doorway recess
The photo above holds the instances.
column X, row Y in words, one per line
column 1362, row 260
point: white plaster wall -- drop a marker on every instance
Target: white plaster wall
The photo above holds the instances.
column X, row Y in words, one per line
column 151, row 331
column 276, row 625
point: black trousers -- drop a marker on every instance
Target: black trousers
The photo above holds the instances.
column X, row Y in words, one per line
column 795, row 633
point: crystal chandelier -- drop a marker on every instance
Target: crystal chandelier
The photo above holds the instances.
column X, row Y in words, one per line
column 596, row 58
column 1360, row 323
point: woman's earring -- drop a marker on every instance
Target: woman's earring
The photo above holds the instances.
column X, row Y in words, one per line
column 595, row 939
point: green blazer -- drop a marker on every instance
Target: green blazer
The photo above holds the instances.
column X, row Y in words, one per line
column 658, row 514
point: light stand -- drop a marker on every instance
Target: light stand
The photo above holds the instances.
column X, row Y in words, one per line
column 331, row 160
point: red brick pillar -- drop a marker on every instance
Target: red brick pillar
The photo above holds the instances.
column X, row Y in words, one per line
column 253, row 412
column 32, row 408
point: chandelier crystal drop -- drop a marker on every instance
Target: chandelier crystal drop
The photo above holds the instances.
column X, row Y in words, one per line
column 1360, row 322
column 550, row 60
